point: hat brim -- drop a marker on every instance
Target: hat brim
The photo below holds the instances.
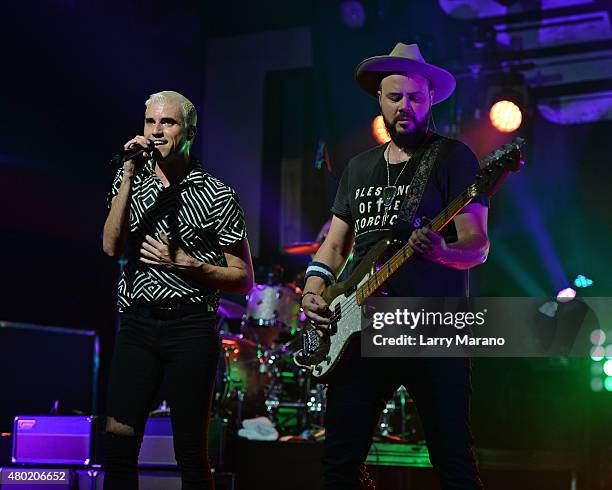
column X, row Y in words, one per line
column 371, row 71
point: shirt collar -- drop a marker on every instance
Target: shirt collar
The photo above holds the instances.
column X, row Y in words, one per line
column 195, row 176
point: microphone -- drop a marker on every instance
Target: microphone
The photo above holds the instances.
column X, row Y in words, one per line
column 132, row 152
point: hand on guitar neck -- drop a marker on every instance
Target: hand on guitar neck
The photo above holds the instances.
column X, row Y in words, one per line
column 429, row 244
column 471, row 247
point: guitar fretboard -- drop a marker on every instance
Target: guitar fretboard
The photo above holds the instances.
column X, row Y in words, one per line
column 377, row 279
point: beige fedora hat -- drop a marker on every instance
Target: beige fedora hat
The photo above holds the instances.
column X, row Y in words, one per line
column 404, row 58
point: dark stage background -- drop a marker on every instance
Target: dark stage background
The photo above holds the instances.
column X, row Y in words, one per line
column 75, row 78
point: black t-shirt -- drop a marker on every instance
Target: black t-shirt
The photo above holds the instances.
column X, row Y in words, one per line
column 359, row 201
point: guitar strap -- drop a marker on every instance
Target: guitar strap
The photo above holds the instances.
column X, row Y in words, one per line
column 410, row 205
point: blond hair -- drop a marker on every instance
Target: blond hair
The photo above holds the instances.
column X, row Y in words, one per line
column 190, row 116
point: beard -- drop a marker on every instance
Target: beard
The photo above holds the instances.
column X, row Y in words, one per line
column 411, row 139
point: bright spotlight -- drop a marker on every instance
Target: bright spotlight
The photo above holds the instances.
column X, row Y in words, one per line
column 582, row 281
column 566, row 295
column 379, row 131
column 508, row 101
column 505, row 116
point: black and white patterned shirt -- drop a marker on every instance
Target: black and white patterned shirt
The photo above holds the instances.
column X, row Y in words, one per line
column 200, row 214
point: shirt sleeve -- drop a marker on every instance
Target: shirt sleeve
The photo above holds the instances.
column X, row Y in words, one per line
column 114, row 188
column 461, row 169
column 230, row 225
column 341, row 206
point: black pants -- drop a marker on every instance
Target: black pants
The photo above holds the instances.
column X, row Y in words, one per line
column 357, row 392
column 186, row 351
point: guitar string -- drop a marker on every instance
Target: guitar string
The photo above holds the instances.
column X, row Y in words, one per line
column 443, row 215
column 352, row 302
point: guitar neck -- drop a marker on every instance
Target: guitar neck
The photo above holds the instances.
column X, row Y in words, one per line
column 380, row 276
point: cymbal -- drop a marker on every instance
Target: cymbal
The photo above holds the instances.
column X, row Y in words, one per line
column 230, row 310
column 301, row 248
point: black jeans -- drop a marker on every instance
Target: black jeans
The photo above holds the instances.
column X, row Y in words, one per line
column 357, row 392
column 186, row 351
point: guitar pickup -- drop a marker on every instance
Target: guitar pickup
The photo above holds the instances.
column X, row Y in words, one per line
column 337, row 312
column 333, row 327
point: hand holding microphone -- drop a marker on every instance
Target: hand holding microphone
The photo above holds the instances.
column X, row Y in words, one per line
column 134, row 151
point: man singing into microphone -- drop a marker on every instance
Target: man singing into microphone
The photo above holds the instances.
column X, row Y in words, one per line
column 183, row 234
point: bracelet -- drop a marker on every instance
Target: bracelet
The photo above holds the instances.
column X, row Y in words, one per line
column 304, row 295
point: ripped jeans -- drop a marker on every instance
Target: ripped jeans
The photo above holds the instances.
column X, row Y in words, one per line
column 186, row 350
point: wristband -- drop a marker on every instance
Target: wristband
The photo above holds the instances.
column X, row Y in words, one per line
column 319, row 269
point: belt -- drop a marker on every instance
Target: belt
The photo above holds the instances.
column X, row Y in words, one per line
column 172, row 312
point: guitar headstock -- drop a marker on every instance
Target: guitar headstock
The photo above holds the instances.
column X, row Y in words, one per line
column 497, row 165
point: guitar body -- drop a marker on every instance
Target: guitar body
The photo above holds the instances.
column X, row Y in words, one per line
column 346, row 317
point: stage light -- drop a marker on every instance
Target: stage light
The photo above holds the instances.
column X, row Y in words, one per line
column 505, row 116
column 582, row 281
column 379, row 131
column 598, row 353
column 601, row 372
column 507, row 101
column 549, row 308
column 598, row 337
column 566, row 295
column 596, row 384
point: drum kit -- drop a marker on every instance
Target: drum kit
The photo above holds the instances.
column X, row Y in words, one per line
column 258, row 376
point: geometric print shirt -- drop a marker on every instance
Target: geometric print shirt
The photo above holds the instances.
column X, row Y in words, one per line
column 200, row 214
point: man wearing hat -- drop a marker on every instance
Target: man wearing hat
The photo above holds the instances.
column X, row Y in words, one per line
column 368, row 201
